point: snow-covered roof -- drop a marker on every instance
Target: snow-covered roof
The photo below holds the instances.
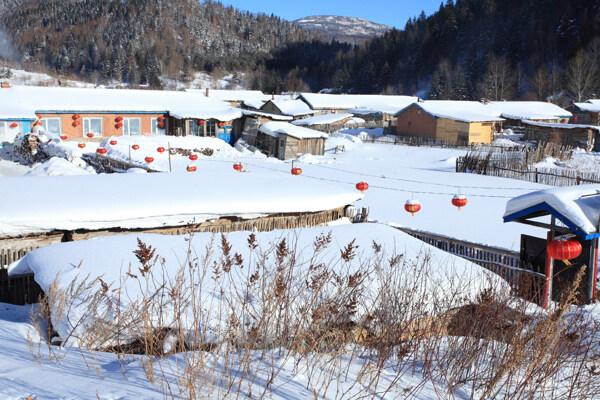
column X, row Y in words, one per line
column 275, row 117
column 130, row 201
column 464, row 111
column 578, row 207
column 383, row 103
column 561, row 126
column 322, row 119
column 530, row 110
column 59, row 99
column 591, row 105
column 254, row 103
column 12, row 106
column 474, row 111
column 292, row 107
column 233, row 95
column 275, row 128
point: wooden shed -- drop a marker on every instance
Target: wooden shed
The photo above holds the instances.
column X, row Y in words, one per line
column 576, row 135
column 286, row 141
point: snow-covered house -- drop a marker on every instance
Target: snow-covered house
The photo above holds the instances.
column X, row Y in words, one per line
column 576, row 135
column 76, row 112
column 514, row 112
column 587, row 112
column 234, row 97
column 285, row 141
column 282, row 106
column 343, row 103
column 15, row 117
column 325, row 122
column 450, row 121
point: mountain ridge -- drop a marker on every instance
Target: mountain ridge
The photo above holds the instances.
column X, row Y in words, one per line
column 342, row 28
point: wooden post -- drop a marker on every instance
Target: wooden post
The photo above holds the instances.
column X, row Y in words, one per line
column 129, row 156
column 169, row 150
column 549, row 272
column 595, row 269
column 591, row 272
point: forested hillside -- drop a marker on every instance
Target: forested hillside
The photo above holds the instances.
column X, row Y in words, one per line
column 469, row 49
column 498, row 49
column 139, row 40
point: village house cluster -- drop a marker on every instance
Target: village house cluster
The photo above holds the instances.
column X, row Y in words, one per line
column 284, row 125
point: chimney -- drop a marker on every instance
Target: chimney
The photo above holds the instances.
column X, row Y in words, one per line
column 207, row 90
column 5, row 85
column 272, row 96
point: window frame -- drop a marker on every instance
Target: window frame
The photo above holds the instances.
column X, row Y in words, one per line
column 45, row 124
column 127, row 126
column 154, row 129
column 89, row 130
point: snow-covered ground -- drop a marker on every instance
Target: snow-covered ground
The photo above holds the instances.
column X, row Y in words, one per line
column 395, row 174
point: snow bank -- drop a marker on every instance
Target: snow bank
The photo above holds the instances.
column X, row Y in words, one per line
column 111, row 257
column 60, row 167
column 159, row 199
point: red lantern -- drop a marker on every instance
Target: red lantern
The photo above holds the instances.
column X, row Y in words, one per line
column 564, row 249
column 81, row 145
column 149, row 159
column 76, row 123
column 191, row 168
column 135, row 146
column 63, row 137
column 193, row 157
column 119, row 119
column 459, row 201
column 412, row 206
column 161, row 149
column 161, row 118
column 90, row 135
column 221, row 124
column 362, row 186
column 201, row 122
column 296, row 171
column 76, row 116
column 119, row 125
column 113, row 142
column 101, row 150
column 238, row 167
column 161, row 124
column 14, row 125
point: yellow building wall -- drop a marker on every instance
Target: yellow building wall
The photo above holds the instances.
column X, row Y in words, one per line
column 481, row 132
column 448, row 130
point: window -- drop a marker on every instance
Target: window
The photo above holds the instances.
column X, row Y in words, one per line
column 211, row 128
column 155, row 129
column 51, row 125
column 132, row 126
column 92, row 125
column 8, row 133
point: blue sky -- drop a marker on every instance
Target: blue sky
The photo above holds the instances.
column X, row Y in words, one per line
column 388, row 12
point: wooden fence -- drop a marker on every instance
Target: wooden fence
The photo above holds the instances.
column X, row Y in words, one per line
column 518, row 164
column 504, row 263
column 18, row 289
column 543, row 175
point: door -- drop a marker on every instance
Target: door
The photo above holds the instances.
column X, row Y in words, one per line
column 227, row 134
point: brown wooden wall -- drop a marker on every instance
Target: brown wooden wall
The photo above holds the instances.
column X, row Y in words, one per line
column 108, row 123
column 416, row 122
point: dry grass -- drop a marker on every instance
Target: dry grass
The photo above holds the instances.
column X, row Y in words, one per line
column 321, row 320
